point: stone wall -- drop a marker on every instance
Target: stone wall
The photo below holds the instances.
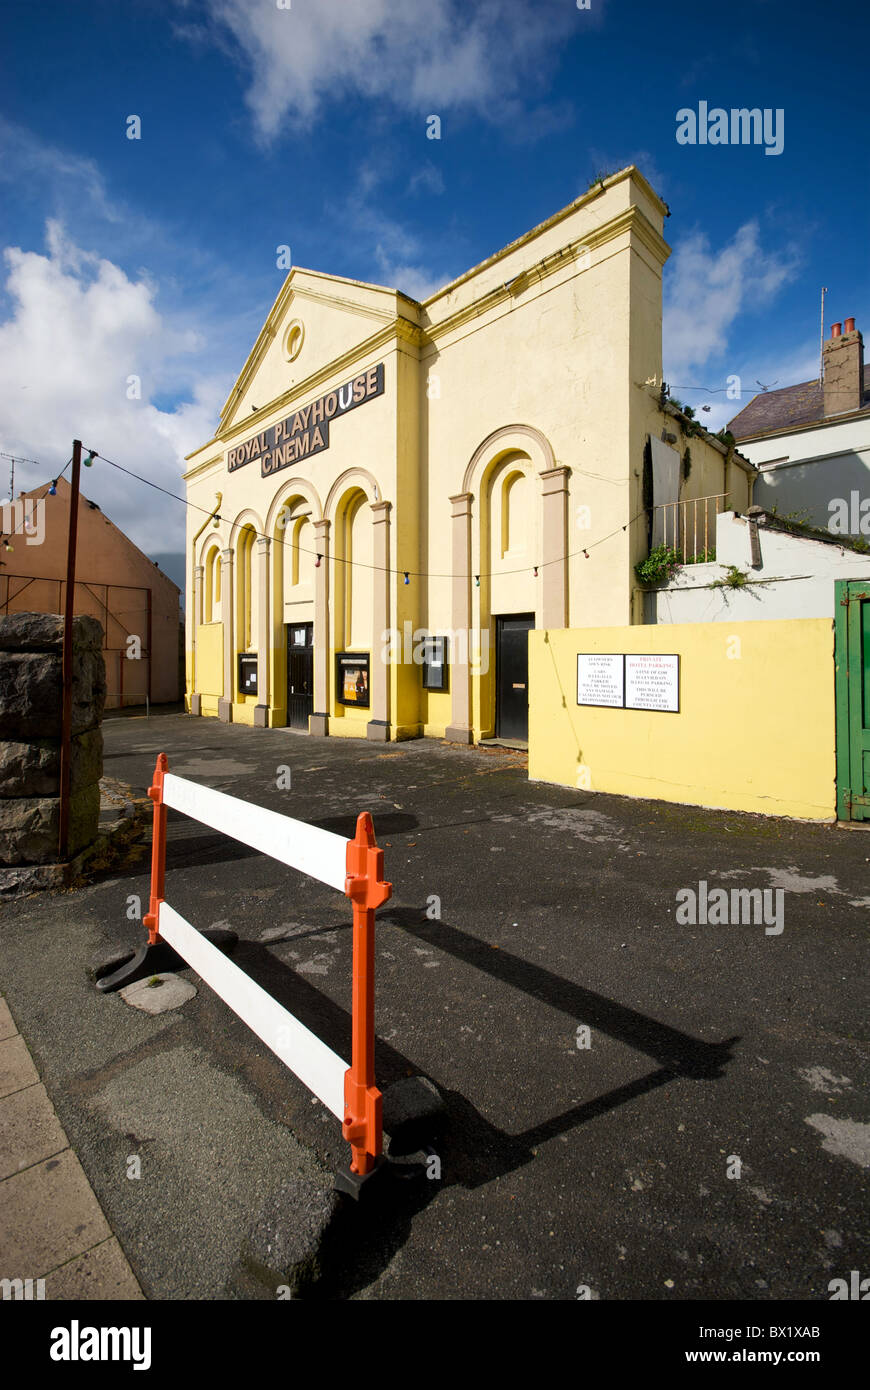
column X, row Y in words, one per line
column 31, row 689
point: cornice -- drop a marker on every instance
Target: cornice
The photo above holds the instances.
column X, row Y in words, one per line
column 203, row 467
column 347, row 306
column 592, row 194
column 631, row 220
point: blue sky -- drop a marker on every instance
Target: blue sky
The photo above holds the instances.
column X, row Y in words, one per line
column 306, row 126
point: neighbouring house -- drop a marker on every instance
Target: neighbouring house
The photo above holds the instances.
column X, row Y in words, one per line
column 811, row 442
column 136, row 604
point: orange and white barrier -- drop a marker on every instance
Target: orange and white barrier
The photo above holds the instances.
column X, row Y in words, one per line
column 355, row 867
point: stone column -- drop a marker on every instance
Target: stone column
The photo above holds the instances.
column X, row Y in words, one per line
column 318, row 722
column 264, row 635
column 378, row 727
column 31, row 683
column 228, row 598
column 198, row 574
column 459, row 729
column 554, row 595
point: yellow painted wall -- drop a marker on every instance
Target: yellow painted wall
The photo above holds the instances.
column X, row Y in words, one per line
column 755, row 731
column 210, row 659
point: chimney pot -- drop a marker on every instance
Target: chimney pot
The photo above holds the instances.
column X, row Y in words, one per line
column 843, row 370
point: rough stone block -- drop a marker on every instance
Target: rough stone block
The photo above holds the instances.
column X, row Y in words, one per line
column 33, row 768
column 29, row 826
column 30, row 694
column 40, row 632
column 31, row 690
column 31, row 632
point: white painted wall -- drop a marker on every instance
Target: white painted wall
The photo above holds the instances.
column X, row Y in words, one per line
column 798, row 577
column 822, row 467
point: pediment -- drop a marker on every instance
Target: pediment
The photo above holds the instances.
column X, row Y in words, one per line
column 316, row 319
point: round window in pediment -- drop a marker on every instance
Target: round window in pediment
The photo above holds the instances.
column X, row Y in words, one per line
column 293, row 340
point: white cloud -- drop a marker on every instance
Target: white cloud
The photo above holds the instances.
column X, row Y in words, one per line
column 30, row 166
column 427, row 179
column 438, row 56
column 395, row 253
column 79, row 327
column 706, row 291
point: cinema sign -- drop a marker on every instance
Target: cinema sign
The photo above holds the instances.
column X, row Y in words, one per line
column 306, row 431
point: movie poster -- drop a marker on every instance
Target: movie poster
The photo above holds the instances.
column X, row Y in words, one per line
column 352, row 679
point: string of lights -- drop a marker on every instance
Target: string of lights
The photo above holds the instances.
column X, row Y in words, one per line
column 407, row 575
column 717, row 390
column 51, row 491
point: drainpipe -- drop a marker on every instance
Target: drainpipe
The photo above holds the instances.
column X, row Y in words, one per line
column 192, row 599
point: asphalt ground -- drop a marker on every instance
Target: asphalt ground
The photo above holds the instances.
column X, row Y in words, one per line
column 521, row 913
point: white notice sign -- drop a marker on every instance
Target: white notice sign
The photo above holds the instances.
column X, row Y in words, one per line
column 600, row 679
column 652, row 682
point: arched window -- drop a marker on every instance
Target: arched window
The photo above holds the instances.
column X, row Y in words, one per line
column 353, row 573
column 303, row 545
column 515, row 499
column 212, row 567
column 246, row 588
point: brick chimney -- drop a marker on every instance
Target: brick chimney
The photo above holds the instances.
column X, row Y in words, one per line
column 844, row 369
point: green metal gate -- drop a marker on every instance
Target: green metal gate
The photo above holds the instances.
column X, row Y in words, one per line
column 852, row 663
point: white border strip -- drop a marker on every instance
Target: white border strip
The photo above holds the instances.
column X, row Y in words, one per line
column 318, row 853
column 321, row 1069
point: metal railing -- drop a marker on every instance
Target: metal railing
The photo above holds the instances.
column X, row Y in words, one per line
column 689, row 526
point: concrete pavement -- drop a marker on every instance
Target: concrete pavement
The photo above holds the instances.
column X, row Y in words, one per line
column 55, row 1242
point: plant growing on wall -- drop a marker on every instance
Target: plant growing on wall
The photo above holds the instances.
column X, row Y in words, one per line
column 659, row 567
column 734, row 578
column 799, row 518
column 598, row 179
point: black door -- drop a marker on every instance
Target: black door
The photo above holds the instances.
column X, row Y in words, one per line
column 512, row 676
column 300, row 674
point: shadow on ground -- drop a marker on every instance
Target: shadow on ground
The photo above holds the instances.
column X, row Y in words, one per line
column 472, row 1151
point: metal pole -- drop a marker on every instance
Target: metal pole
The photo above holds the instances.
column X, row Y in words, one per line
column 69, row 604
column 148, row 639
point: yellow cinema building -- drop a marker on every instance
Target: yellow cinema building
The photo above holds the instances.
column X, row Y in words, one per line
column 399, row 491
